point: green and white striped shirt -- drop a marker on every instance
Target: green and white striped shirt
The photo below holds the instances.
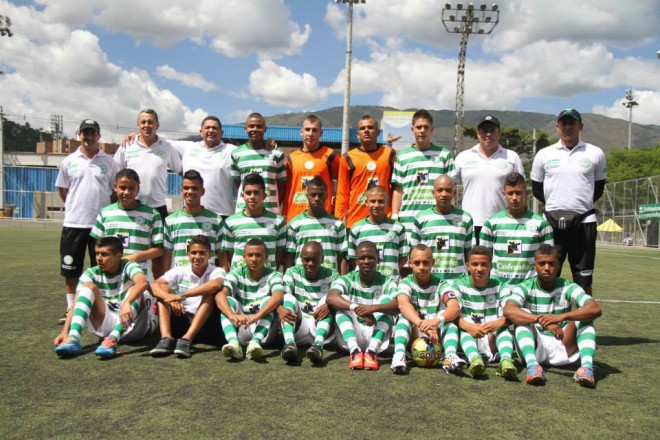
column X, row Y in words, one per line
column 269, row 164
column 251, row 292
column 114, row 287
column 308, row 292
column 415, row 171
column 240, row 228
column 351, row 288
column 514, row 241
column 425, row 299
column 181, row 227
column 390, row 239
column 327, row 230
column 482, row 305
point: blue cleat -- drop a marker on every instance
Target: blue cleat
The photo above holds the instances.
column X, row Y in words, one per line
column 107, row 349
column 535, row 375
column 68, row 349
column 585, row 377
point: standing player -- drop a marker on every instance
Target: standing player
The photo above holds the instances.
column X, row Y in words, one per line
column 248, row 301
column 305, row 316
column 363, row 305
column 84, row 183
column 304, row 164
column 569, row 177
column 420, row 305
column 415, row 170
column 361, row 168
column 515, row 234
column 193, row 219
column 554, row 321
column 484, row 332
column 186, row 295
column 316, row 224
column 255, row 156
column 482, row 169
column 388, row 235
column 447, row 230
column 139, row 227
column 254, row 221
column 111, row 299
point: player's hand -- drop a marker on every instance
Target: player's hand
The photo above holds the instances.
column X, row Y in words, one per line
column 475, row 330
column 177, row 308
column 363, row 310
column 547, row 320
column 59, row 339
column 286, row 315
column 271, row 144
column 171, row 298
column 432, row 334
column 491, row 327
column 427, row 325
column 369, row 320
column 249, row 320
column 129, row 257
column 125, row 314
column 239, row 320
column 129, row 138
column 556, row 330
column 321, row 312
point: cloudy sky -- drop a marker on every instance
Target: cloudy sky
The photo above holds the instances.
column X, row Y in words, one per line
column 186, row 59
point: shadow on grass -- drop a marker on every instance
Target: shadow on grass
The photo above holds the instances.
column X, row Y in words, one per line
column 601, row 370
column 613, row 341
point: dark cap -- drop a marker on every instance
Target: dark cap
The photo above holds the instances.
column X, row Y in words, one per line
column 489, row 119
column 89, row 123
column 570, row 113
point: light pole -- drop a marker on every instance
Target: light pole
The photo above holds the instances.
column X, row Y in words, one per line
column 466, row 20
column 629, row 103
column 345, row 127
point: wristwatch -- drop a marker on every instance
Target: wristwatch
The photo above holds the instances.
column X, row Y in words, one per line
column 183, row 296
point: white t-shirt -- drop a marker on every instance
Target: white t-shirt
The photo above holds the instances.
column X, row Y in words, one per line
column 151, row 164
column 483, row 180
column 89, row 182
column 569, row 176
column 181, row 279
column 214, row 164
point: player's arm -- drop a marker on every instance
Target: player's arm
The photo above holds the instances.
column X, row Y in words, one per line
column 224, row 307
column 397, row 198
column 167, row 260
column 338, row 302
column 587, row 313
column 271, row 305
column 140, row 284
column 494, row 325
column 289, row 260
column 149, row 254
column 408, row 310
column 599, row 189
column 63, row 192
column 64, row 334
column 342, row 263
column 389, row 308
column 224, row 258
column 514, row 313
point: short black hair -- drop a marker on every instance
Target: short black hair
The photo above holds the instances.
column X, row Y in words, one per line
column 129, row 174
column 257, row 242
column 422, row 114
column 201, row 240
column 112, row 242
column 194, row 176
column 254, row 179
column 514, row 179
column 481, row 250
column 211, row 118
column 317, row 181
column 546, row 249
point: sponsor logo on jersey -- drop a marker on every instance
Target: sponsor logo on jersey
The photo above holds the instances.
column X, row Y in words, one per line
column 514, row 247
column 442, row 242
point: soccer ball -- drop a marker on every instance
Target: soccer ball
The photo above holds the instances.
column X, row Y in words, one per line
column 425, row 354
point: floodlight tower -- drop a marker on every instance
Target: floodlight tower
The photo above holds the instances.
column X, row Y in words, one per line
column 345, row 127
column 629, row 103
column 5, row 24
column 466, row 20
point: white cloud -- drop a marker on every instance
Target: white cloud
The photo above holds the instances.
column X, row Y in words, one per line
column 278, row 85
column 646, row 113
column 194, row 80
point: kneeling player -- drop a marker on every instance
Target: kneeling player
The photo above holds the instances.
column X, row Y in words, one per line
column 418, row 301
column 185, row 296
column 248, row 301
column 553, row 319
column 484, row 333
column 111, row 300
column 362, row 303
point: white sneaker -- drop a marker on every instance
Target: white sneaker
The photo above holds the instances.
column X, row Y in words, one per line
column 232, row 350
column 453, row 363
column 398, row 365
column 254, row 350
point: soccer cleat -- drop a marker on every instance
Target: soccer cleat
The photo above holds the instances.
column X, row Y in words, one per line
column 315, row 354
column 254, row 350
column 356, row 360
column 398, row 365
column 290, row 352
column 535, row 375
column 477, row 367
column 107, row 349
column 507, row 369
column 165, row 347
column 183, row 349
column 453, row 363
column 585, row 377
column 232, row 350
column 371, row 360
column 70, row 348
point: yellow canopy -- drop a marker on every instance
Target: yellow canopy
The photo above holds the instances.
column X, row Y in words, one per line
column 609, row 226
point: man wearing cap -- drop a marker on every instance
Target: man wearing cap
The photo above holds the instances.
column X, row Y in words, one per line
column 482, row 170
column 84, row 183
column 569, row 177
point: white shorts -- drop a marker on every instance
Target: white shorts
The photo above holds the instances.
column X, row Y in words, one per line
column 306, row 331
column 143, row 325
column 363, row 334
column 552, row 351
column 245, row 334
column 483, row 344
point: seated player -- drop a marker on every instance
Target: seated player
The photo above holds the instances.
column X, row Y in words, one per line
column 248, row 301
column 111, row 299
column 139, row 226
column 304, row 314
column 553, row 319
column 186, row 295
column 362, row 302
column 484, row 331
column 418, row 301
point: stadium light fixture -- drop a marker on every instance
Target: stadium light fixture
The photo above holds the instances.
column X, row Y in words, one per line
column 629, row 103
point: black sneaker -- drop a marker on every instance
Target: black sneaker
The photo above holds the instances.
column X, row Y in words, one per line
column 290, row 352
column 315, row 354
column 183, row 348
column 165, row 347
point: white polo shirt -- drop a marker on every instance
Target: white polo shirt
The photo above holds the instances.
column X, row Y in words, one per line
column 89, row 182
column 214, row 164
column 181, row 279
column 483, row 180
column 151, row 164
column 569, row 176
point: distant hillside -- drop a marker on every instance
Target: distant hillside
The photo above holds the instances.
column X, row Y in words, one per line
column 599, row 130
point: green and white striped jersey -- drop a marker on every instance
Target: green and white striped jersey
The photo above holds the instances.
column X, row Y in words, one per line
column 426, row 300
column 415, row 171
column 351, row 288
column 514, row 241
column 251, row 292
column 181, row 227
column 449, row 236
column 240, row 228
column 327, row 230
column 389, row 237
column 482, row 305
column 269, row 164
column 114, row 287
column 308, row 292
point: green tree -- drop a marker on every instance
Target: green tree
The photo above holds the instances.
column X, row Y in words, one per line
column 633, row 164
column 22, row 137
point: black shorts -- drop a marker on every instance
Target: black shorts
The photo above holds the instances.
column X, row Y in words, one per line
column 580, row 247
column 210, row 333
column 73, row 243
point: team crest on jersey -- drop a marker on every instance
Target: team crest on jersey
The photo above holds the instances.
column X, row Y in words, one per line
column 139, row 220
column 103, row 170
column 207, row 226
column 371, row 166
column 422, row 176
column 309, row 165
column 514, row 247
column 324, row 288
column 442, row 242
column 457, row 223
column 270, row 226
column 73, row 168
column 532, row 226
column 585, row 163
column 391, row 236
column 501, row 164
column 491, row 299
column 558, row 299
column 160, row 154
